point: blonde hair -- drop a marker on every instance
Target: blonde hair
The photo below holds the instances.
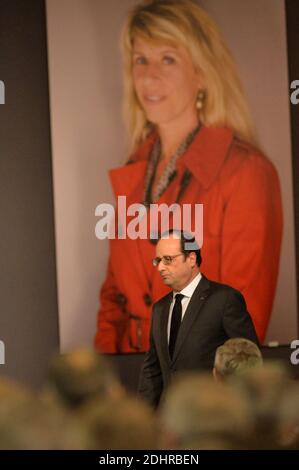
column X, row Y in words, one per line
column 184, row 23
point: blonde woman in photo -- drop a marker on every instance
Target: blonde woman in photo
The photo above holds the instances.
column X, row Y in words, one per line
column 191, row 141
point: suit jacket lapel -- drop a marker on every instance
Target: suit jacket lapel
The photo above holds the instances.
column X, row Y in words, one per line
column 196, row 302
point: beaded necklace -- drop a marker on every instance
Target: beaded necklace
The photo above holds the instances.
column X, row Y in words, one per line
column 169, row 172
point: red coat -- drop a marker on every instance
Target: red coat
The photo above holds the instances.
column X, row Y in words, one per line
column 242, row 231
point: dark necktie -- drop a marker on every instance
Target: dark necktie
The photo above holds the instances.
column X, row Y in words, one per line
column 176, row 319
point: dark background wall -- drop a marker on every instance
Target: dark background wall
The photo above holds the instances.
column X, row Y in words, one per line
column 28, row 299
column 292, row 19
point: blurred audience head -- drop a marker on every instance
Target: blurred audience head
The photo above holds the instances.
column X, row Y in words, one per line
column 27, row 423
column 288, row 416
column 264, row 388
column 235, row 355
column 79, row 376
column 125, row 424
column 200, row 413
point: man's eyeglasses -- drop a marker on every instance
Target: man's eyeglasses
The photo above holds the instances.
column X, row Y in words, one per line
column 165, row 259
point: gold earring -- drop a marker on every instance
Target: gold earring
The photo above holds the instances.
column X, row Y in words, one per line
column 201, row 95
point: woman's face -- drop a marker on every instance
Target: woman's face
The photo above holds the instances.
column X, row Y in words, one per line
column 165, row 81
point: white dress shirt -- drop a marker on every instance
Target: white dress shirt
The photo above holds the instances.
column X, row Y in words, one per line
column 187, row 292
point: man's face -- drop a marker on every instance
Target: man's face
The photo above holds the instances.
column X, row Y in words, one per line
column 181, row 270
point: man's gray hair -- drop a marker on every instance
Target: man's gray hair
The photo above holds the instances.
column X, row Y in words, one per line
column 236, row 355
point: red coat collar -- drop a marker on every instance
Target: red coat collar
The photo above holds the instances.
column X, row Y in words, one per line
column 206, row 154
column 204, row 159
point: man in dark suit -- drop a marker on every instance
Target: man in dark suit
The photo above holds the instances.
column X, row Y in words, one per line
column 191, row 322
